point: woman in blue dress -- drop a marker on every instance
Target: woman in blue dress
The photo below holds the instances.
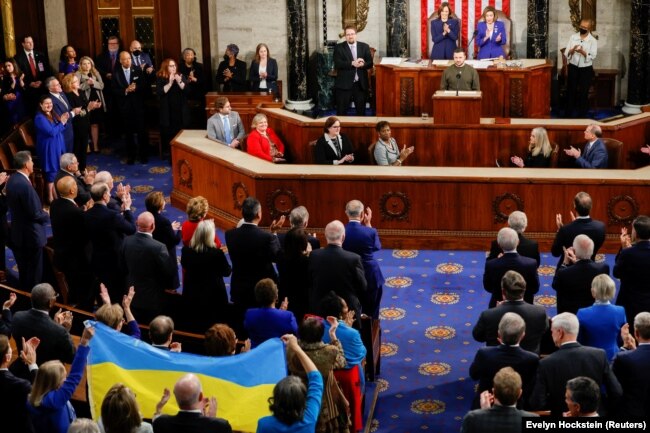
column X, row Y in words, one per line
column 444, row 33
column 67, row 61
column 491, row 35
column 12, row 91
column 49, row 140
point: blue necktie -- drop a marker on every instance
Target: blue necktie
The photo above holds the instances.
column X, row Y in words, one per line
column 226, row 129
column 127, row 75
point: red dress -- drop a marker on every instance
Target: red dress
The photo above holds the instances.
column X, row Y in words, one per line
column 258, row 145
column 187, row 230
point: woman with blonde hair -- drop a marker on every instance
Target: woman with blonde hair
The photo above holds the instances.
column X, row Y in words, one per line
column 539, row 150
column 120, row 412
column 263, row 142
column 80, row 122
column 90, row 82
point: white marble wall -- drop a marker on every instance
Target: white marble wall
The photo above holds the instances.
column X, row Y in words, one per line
column 57, row 35
column 190, row 24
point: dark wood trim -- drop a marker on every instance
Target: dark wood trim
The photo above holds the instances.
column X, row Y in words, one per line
column 29, row 19
column 168, row 35
column 79, row 22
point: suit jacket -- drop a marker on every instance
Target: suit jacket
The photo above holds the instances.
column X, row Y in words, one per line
column 631, row 267
column 5, row 322
column 581, row 226
column 106, row 230
column 129, row 104
column 13, row 403
column 69, row 234
column 527, row 248
column 345, row 72
column 489, row 360
column 498, row 418
column 490, row 48
column 41, row 62
column 59, row 108
column 364, row 241
column 148, row 269
column 534, row 316
column 573, row 284
column 594, row 157
column 271, row 75
column 83, row 190
column 265, row 323
column 104, row 65
column 171, row 238
column 600, row 326
column 190, row 422
column 631, row 370
column 569, row 361
column 238, row 81
column 325, row 154
column 145, row 59
column 216, row 130
column 444, row 46
column 252, row 253
column 496, row 269
column 260, row 146
column 28, row 219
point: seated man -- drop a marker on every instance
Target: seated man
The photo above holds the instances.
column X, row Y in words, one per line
column 161, row 331
column 225, row 125
column 459, row 76
column 582, row 397
column 595, row 154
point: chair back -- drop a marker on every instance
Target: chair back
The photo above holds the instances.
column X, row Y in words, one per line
column 614, row 149
column 501, row 16
column 312, row 150
column 371, row 154
column 243, row 143
column 27, row 133
column 554, row 154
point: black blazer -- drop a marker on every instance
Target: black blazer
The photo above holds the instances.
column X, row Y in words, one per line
column 502, row 419
column 566, row 234
column 190, row 422
column 631, row 267
column 106, row 230
column 496, row 269
column 527, row 248
column 271, row 75
column 173, row 102
column 83, row 190
column 573, row 284
column 198, row 88
column 345, row 72
column 324, row 154
column 129, row 103
column 238, row 81
column 28, row 219
column 104, row 65
column 41, row 62
column 167, row 235
column 69, row 234
column 5, row 322
column 13, row 403
column 631, row 370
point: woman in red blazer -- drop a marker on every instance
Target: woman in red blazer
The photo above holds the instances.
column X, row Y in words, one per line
column 263, row 142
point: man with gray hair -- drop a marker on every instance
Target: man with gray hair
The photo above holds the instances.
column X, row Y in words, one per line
column 121, row 191
column 582, row 397
column 69, row 166
column 595, row 153
column 60, row 105
column 509, row 261
column 517, row 221
column 569, row 361
column 299, row 218
column 196, row 415
column 333, row 268
column 489, row 360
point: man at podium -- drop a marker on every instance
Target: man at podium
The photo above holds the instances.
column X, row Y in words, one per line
column 459, row 76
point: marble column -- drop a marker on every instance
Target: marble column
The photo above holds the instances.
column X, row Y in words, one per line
column 638, row 76
column 537, row 40
column 397, row 28
column 298, row 54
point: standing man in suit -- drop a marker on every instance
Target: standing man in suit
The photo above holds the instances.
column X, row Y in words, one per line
column 333, row 268
column 518, row 221
column 569, row 361
column 28, row 220
column 498, row 412
column 631, row 267
column 362, row 239
column 106, row 62
column 352, row 59
column 299, row 219
column 14, row 390
column 129, row 88
column 495, row 269
column 70, row 168
column 142, row 60
column 513, row 288
column 580, row 224
column 148, row 269
column 595, row 155
column 573, row 278
column 225, row 125
column 62, row 105
column 194, row 416
column 36, row 68
column 631, row 369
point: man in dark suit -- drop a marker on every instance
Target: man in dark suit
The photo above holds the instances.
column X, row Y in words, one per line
column 70, row 167
column 518, row 221
column 106, row 229
column 36, row 68
column 117, row 196
column 498, row 411
column 190, row 419
column 631, row 267
column 14, row 390
column 234, row 133
column 71, row 244
column 595, row 154
column 148, row 269
column 569, row 361
column 631, row 369
column 60, row 105
column 581, row 225
column 129, row 87
column 142, row 60
column 161, row 332
column 105, row 63
column 252, row 253
column 333, row 268
column 489, row 360
column 28, row 220
column 352, row 59
column 572, row 280
column 362, row 239
column 509, row 261
column 299, row 218
column 513, row 287
column 582, row 397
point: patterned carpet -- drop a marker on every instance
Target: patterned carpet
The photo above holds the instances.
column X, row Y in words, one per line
column 431, row 302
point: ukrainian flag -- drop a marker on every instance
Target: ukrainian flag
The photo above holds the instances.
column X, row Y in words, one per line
column 242, row 383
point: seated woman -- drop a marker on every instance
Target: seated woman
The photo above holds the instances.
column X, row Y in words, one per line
column 267, row 321
column 263, row 142
column 264, row 71
column 333, row 147
column 220, row 340
column 491, row 35
column 444, row 33
column 120, row 412
column 601, row 323
column 386, row 150
column 539, row 150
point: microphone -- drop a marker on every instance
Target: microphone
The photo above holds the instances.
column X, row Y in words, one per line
column 472, row 38
column 457, row 81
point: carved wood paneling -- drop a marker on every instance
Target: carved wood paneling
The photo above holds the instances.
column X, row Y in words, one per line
column 504, row 205
column 185, row 173
column 622, row 210
column 239, row 194
column 280, row 202
column 516, row 97
column 406, row 96
column 394, row 206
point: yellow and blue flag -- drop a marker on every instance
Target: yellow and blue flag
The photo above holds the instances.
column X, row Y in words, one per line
column 242, row 383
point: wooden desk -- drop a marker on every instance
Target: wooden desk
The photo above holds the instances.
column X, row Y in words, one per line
column 507, row 92
column 244, row 103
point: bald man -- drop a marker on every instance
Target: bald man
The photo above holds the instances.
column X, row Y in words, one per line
column 148, row 269
column 192, row 416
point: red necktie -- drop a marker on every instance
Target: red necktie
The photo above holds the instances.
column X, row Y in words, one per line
column 32, row 65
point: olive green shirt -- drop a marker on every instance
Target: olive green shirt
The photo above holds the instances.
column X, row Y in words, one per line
column 468, row 78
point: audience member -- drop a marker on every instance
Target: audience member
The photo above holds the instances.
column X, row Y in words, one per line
column 4, row 226
column 517, row 221
column 569, row 361
column 352, row 59
column 83, row 425
column 489, row 360
column 460, row 75
column 6, row 315
column 445, row 30
column 581, row 50
column 631, row 268
column 573, row 279
column 333, row 147
column 386, row 149
column 81, row 121
column 172, row 90
column 263, row 142
column 264, row 71
column 582, row 397
column 161, row 332
column 121, row 192
column 581, row 223
column 225, row 125
column 67, row 61
column 539, row 151
column 220, row 340
column 491, row 36
column 50, row 145
column 91, row 83
column 165, row 231
column 142, row 61
column 120, row 412
column 60, row 106
column 13, row 92
column 197, row 86
column 69, row 166
column 196, row 209
column 106, row 64
column 513, row 287
column 114, row 316
column 231, row 72
column 498, row 412
column 299, row 218
column 595, row 153
column 36, row 67
column 294, row 281
column 267, row 321
column 511, row 260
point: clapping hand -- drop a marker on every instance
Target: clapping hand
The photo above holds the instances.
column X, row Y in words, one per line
column 285, row 304
column 163, row 401
column 367, row 217
column 9, row 302
column 276, row 224
column 626, row 240
column 498, row 38
column 103, row 294
column 487, row 400
column 28, row 354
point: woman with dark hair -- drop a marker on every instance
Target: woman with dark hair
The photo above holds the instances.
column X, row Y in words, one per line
column 13, row 87
column 165, row 231
column 294, row 407
column 171, row 88
column 196, row 85
column 49, row 140
column 444, row 33
column 491, row 35
column 268, row 321
column 386, row 150
column 67, row 61
column 264, row 71
column 232, row 71
column 80, row 122
column 293, row 269
column 120, row 412
column 333, row 147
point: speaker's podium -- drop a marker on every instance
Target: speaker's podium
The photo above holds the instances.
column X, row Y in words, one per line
column 462, row 107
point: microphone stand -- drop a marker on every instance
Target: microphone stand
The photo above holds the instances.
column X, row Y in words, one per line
column 471, row 40
column 457, row 82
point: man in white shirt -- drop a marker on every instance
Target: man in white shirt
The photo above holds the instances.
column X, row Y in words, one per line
column 580, row 52
column 225, row 125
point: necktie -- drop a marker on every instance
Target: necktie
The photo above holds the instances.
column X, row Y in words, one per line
column 62, row 100
column 338, row 147
column 127, row 75
column 32, row 65
column 226, row 129
column 137, row 61
column 353, row 48
column 112, row 61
